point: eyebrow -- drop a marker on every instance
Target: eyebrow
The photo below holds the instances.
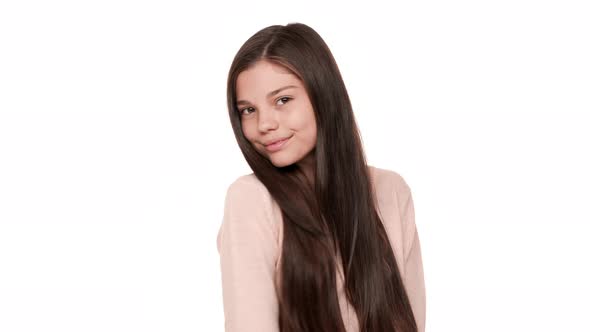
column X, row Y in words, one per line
column 270, row 94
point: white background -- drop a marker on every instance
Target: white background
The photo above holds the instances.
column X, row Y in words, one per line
column 116, row 151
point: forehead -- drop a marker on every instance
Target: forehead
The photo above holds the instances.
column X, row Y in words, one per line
column 262, row 78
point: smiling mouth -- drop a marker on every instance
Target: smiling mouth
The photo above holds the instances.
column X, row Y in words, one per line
column 277, row 145
column 277, row 141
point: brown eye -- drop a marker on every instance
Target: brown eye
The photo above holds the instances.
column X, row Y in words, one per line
column 244, row 109
column 284, row 99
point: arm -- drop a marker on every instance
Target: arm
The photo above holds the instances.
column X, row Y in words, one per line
column 414, row 281
column 248, row 251
column 414, row 271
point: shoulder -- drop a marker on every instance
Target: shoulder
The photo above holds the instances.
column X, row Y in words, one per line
column 395, row 200
column 393, row 179
column 246, row 183
column 248, row 194
column 248, row 217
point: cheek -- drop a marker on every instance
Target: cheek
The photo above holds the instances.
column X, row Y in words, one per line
column 248, row 132
column 309, row 124
column 312, row 133
column 314, row 130
column 303, row 118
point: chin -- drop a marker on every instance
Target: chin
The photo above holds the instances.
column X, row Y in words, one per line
column 281, row 161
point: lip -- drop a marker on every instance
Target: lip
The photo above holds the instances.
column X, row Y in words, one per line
column 274, row 141
column 277, row 144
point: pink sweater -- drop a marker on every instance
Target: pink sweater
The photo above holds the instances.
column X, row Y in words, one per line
column 249, row 246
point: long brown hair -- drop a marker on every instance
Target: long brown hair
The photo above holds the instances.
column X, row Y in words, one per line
column 331, row 215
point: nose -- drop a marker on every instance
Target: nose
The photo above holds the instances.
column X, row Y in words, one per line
column 267, row 120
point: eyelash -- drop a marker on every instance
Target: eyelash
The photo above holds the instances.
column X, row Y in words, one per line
column 287, row 99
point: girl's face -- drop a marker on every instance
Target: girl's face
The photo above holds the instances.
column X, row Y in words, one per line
column 273, row 105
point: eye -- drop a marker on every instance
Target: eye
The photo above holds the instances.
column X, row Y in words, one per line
column 241, row 112
column 284, row 99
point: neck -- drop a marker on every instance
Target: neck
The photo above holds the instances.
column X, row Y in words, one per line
column 307, row 165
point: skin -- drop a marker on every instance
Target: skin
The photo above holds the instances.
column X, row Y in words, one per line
column 287, row 113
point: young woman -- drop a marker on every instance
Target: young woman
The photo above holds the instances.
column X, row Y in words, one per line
column 314, row 239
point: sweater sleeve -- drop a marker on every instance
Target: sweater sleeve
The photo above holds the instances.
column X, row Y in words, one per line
column 414, row 271
column 248, row 251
